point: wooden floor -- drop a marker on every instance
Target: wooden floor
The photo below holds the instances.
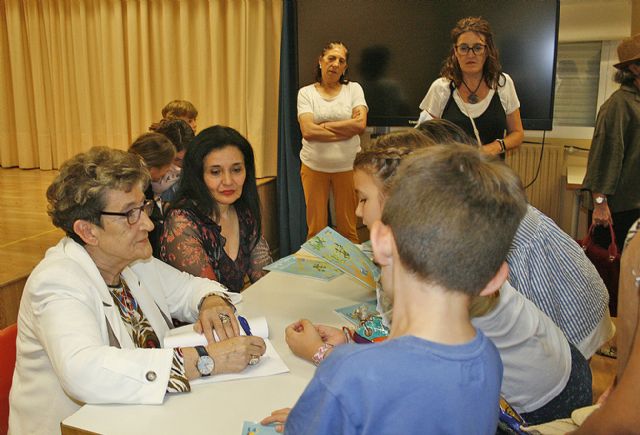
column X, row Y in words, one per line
column 26, row 233
column 25, row 229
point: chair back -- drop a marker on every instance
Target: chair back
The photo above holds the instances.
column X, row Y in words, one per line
column 7, row 364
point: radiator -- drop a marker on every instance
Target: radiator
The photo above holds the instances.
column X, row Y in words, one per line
column 546, row 191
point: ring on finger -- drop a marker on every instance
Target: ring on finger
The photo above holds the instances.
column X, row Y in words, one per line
column 255, row 359
column 224, row 318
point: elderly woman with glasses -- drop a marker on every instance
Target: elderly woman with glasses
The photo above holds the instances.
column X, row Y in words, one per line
column 474, row 93
column 95, row 311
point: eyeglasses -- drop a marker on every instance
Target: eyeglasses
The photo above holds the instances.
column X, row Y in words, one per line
column 133, row 215
column 463, row 49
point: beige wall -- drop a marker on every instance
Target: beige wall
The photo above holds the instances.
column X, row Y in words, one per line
column 594, row 20
column 635, row 17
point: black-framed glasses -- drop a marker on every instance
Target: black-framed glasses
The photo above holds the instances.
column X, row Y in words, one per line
column 133, row 215
column 463, row 49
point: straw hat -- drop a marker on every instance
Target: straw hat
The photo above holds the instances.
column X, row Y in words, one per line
column 628, row 51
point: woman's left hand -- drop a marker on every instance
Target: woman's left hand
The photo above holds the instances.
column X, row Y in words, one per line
column 216, row 314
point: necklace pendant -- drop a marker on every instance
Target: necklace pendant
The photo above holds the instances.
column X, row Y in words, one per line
column 473, row 98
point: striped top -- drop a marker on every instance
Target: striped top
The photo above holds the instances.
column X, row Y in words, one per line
column 551, row 270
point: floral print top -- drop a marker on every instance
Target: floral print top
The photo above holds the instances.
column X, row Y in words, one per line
column 192, row 242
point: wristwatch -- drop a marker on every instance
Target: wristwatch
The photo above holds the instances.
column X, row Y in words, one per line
column 205, row 363
column 600, row 200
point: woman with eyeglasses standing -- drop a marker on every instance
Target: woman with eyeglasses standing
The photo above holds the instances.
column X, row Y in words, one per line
column 473, row 92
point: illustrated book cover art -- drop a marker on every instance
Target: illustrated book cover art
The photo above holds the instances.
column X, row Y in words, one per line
column 343, row 254
column 312, row 267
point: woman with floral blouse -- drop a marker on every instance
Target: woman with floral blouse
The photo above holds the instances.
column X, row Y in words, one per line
column 214, row 228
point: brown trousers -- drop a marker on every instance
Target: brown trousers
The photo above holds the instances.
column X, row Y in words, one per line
column 316, row 187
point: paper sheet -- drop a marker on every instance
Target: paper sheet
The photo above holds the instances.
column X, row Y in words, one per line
column 270, row 363
column 185, row 336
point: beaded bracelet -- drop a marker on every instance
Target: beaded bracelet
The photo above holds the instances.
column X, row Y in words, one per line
column 319, row 356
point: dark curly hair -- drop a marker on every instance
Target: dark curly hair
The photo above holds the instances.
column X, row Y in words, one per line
column 343, row 78
column 492, row 70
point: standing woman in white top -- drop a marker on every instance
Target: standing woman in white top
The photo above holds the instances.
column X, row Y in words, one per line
column 332, row 113
column 473, row 92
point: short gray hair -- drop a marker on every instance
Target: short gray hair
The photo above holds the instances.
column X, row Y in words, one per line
column 79, row 190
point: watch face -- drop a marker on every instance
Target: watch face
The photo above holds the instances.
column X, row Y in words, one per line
column 205, row 365
column 600, row 200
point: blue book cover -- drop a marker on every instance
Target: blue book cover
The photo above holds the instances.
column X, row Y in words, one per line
column 252, row 428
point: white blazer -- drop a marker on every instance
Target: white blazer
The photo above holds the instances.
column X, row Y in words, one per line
column 72, row 346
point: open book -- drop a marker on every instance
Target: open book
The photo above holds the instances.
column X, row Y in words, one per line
column 270, row 363
column 328, row 254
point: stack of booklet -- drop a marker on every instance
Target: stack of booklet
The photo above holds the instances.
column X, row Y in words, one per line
column 328, row 255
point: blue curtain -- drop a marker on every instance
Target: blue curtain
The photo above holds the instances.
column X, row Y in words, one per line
column 292, row 223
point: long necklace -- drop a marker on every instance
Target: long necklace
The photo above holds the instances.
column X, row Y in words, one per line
column 473, row 97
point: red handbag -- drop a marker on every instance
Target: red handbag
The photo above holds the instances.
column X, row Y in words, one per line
column 607, row 263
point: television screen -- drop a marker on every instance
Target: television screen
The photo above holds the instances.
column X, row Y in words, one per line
column 396, row 49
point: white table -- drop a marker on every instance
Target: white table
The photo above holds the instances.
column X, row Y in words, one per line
column 221, row 408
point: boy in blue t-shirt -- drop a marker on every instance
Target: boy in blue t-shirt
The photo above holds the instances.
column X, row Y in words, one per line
column 446, row 228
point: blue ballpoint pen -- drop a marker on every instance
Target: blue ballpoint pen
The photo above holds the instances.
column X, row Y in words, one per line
column 245, row 325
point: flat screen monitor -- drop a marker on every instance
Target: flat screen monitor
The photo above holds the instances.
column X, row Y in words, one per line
column 396, row 49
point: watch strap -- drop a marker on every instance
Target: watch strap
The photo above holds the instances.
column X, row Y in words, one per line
column 503, row 146
column 205, row 364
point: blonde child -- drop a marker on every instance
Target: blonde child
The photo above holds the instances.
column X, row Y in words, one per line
column 436, row 373
column 539, row 378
